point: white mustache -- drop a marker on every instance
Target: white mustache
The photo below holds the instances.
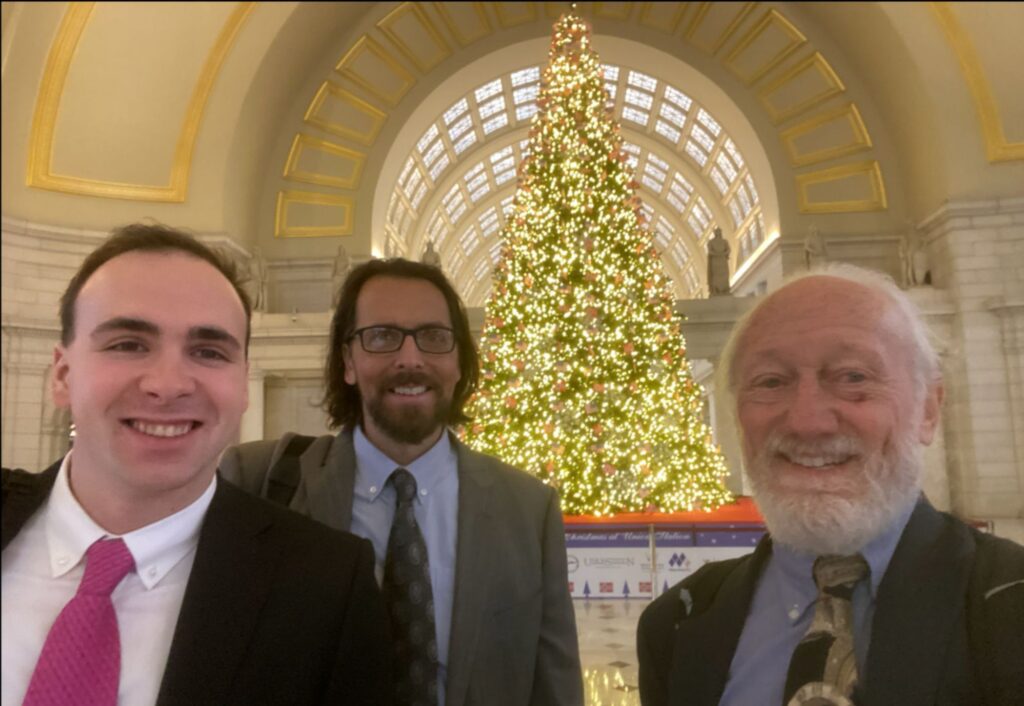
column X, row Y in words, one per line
column 831, row 448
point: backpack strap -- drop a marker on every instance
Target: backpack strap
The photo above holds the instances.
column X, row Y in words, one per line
column 283, row 479
column 995, row 619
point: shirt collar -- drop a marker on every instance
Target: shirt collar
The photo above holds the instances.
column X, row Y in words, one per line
column 373, row 466
column 795, row 568
column 157, row 548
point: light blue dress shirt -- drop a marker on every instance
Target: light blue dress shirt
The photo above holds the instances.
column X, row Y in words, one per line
column 436, row 509
column 782, row 609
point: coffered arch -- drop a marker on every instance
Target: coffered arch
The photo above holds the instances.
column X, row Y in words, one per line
column 691, row 174
column 780, row 100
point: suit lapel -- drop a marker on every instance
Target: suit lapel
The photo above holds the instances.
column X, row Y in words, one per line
column 330, row 483
column 231, row 577
column 919, row 603
column 24, row 493
column 706, row 642
column 472, row 567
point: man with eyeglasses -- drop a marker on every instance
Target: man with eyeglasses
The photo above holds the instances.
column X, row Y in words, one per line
column 470, row 552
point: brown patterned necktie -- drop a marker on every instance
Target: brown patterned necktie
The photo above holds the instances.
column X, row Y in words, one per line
column 410, row 602
column 823, row 669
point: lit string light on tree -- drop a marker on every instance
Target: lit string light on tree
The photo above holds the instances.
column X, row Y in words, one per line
column 585, row 378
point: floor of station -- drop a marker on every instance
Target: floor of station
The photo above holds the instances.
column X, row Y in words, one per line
column 607, row 632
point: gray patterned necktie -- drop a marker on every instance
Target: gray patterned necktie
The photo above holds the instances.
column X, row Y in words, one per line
column 823, row 669
column 410, row 602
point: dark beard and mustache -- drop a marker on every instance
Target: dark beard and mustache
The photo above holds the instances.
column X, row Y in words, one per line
column 409, row 425
column 838, row 512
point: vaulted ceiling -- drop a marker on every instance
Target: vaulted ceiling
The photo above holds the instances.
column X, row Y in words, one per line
column 297, row 127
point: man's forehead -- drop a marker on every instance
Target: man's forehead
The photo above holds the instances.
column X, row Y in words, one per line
column 401, row 298
column 820, row 303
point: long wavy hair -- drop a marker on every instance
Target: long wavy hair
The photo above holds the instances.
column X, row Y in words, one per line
column 342, row 401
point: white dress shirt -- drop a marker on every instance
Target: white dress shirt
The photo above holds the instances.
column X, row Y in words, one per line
column 41, row 570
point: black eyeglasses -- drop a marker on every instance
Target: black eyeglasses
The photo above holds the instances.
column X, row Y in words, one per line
column 388, row 339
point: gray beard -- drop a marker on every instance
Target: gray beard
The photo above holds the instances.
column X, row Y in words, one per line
column 822, row 521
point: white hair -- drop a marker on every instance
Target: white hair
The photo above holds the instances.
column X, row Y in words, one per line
column 925, row 359
column 839, row 518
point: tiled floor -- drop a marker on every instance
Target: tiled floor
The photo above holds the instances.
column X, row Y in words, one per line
column 607, row 631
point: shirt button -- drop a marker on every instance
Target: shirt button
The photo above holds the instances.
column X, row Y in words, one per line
column 423, row 492
column 794, row 613
column 373, row 489
column 62, row 561
column 152, row 571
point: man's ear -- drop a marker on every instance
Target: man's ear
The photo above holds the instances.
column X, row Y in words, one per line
column 350, row 371
column 933, row 398
column 59, row 387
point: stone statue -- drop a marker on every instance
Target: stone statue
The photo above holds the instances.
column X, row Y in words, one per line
column 342, row 266
column 259, row 279
column 918, row 272
column 718, row 264
column 430, row 256
column 814, row 249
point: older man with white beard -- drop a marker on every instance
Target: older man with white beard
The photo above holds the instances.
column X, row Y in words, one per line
column 862, row 592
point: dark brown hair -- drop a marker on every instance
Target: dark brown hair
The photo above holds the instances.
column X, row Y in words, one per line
column 147, row 238
column 342, row 401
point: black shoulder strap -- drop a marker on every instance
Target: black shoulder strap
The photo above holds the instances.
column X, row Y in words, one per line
column 995, row 616
column 283, row 479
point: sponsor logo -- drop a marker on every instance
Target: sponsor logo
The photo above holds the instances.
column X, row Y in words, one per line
column 609, row 561
column 678, row 561
column 606, row 587
column 645, row 587
column 574, row 563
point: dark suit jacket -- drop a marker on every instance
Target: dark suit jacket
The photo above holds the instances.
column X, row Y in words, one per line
column 947, row 629
column 277, row 610
column 513, row 633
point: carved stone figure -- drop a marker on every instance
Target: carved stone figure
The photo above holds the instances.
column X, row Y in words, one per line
column 259, row 280
column 814, row 249
column 918, row 267
column 342, row 266
column 718, row 264
column 430, row 256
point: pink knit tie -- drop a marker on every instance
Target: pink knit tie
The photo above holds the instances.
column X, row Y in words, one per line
column 81, row 660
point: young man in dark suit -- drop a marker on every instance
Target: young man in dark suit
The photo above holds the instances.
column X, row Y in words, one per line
column 862, row 592
column 133, row 574
column 488, row 571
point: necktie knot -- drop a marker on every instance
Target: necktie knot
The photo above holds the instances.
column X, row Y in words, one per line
column 405, row 484
column 833, row 572
column 107, row 561
column 80, row 662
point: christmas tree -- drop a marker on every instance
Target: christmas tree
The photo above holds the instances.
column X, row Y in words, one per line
column 585, row 377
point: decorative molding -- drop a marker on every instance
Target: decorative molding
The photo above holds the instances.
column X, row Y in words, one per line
column 44, row 121
column 997, row 147
column 860, row 141
column 645, row 17
column 409, row 11
column 770, row 20
column 303, row 143
column 367, row 46
column 815, row 62
column 484, row 23
column 869, row 170
column 742, row 11
column 507, row 17
column 344, row 208
column 327, row 90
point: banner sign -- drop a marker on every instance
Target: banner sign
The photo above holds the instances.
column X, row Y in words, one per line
column 616, row 563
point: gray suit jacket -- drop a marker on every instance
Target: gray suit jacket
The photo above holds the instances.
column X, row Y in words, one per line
column 513, row 633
